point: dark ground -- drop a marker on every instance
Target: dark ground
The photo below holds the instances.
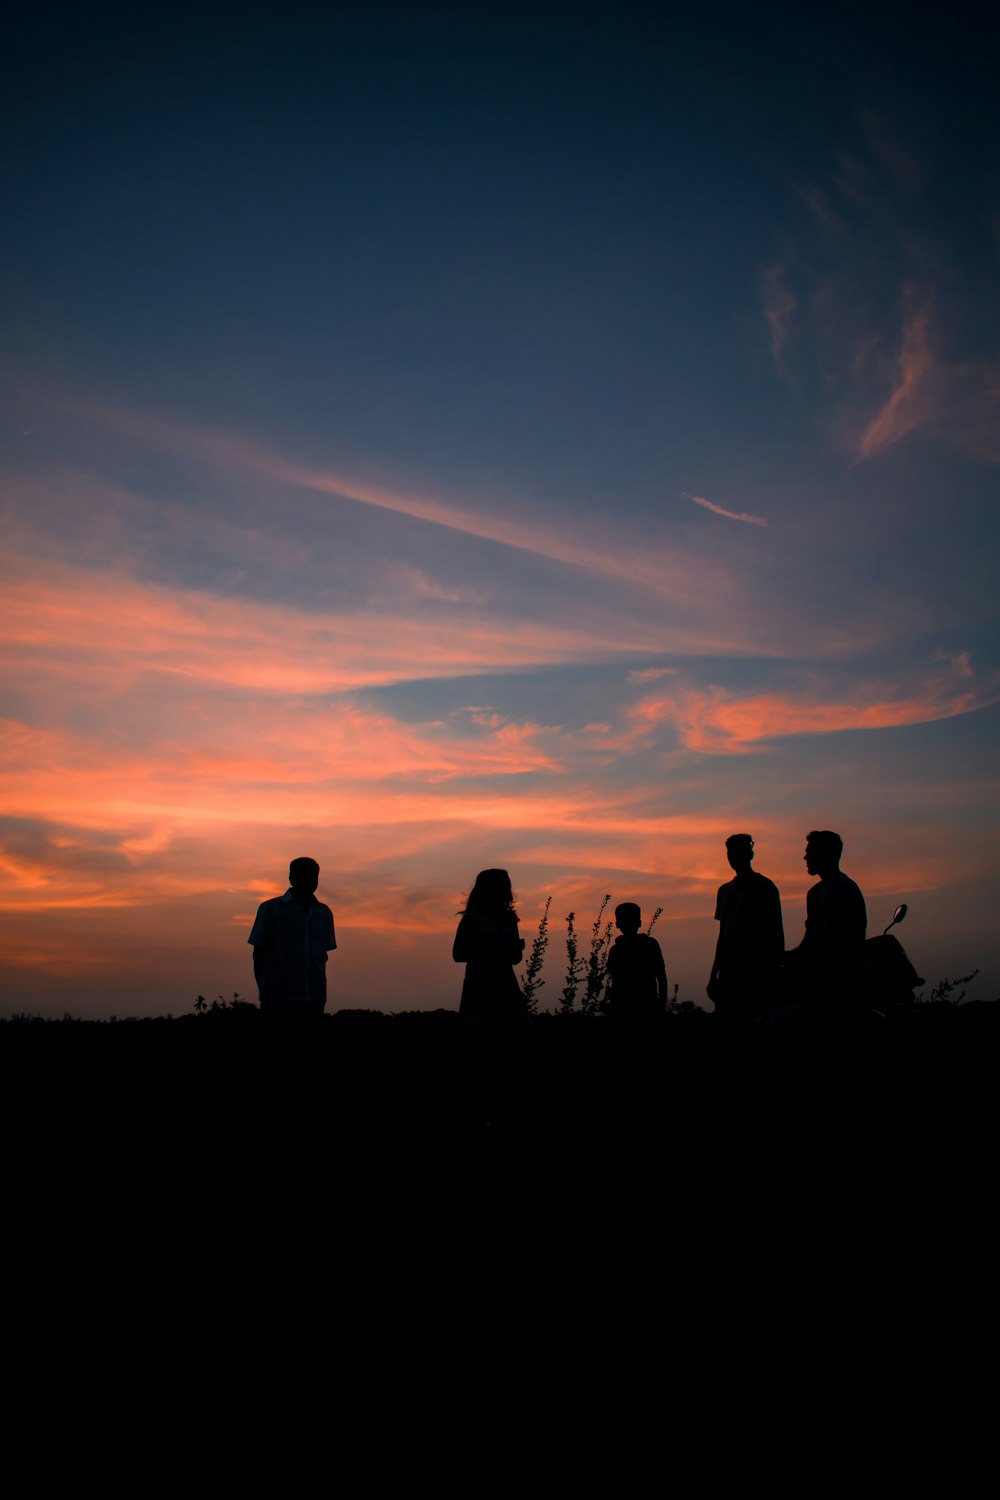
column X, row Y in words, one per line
column 226, row 1102
column 389, row 1215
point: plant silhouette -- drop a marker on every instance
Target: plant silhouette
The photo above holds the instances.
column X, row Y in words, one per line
column 532, row 983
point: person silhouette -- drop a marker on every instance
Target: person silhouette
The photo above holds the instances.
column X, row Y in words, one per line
column 831, row 950
column 636, row 972
column 291, row 936
column 487, row 942
column 751, row 939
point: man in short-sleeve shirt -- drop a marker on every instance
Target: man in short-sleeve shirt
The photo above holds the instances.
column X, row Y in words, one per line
column 291, row 937
column 751, row 937
column 825, row 963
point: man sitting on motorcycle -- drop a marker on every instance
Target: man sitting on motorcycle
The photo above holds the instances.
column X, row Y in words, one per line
column 824, row 967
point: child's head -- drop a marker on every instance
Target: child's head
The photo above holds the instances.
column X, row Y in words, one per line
column 628, row 917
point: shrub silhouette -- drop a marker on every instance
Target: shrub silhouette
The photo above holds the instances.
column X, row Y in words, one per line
column 942, row 991
column 532, row 969
column 574, row 968
column 597, row 963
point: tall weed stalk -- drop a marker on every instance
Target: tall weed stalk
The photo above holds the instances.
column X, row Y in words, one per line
column 575, row 967
column 532, row 969
column 597, row 962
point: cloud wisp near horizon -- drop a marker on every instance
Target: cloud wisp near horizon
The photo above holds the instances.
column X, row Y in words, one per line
column 429, row 552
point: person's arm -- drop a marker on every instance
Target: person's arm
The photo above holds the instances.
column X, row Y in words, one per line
column 850, row 920
column 662, row 990
column 713, row 976
column 461, row 948
column 806, row 950
column 258, row 937
column 777, row 930
column 861, row 915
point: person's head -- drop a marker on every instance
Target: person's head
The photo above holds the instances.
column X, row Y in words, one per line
column 823, row 851
column 628, row 917
column 491, row 894
column 303, row 874
column 739, row 851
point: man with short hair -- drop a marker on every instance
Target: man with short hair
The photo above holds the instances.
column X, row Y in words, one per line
column 836, row 922
column 291, row 938
column 751, row 937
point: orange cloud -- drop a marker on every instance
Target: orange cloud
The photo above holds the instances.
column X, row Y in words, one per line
column 64, row 614
column 716, row 721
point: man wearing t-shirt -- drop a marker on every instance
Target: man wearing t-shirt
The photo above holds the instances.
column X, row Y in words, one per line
column 751, row 937
column 824, row 964
column 291, row 938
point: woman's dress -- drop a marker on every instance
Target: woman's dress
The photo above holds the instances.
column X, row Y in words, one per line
column 489, row 947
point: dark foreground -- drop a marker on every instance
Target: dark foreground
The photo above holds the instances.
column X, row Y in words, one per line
column 384, row 1212
column 229, row 1102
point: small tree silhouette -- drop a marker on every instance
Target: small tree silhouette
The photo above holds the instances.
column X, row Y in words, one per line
column 597, row 962
column 575, row 967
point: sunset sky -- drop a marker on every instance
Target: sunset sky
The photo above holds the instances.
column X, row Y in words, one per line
column 453, row 437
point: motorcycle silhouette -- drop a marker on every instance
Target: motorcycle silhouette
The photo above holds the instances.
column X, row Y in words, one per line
column 887, row 978
column 879, row 988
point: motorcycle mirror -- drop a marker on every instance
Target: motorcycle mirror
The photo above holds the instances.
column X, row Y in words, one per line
column 899, row 913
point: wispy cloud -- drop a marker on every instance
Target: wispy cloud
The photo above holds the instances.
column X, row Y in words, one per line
column 107, row 627
column 666, row 571
column 956, row 400
column 730, row 515
column 881, row 303
column 649, row 674
column 778, row 304
column 719, row 721
column 911, row 403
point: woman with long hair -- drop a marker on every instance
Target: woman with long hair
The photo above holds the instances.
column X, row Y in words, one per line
column 488, row 943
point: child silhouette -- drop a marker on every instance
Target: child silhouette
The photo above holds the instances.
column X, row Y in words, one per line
column 636, row 974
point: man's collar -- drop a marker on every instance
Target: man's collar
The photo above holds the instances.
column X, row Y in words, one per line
column 290, row 896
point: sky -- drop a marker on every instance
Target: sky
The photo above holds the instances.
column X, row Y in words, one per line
column 437, row 438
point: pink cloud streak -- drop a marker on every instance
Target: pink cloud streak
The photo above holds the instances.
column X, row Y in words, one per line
column 716, row 721
column 580, row 544
column 731, row 515
column 66, row 614
column 910, row 403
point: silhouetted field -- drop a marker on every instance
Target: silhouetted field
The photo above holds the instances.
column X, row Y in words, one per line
column 229, row 1087
column 220, row 1148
